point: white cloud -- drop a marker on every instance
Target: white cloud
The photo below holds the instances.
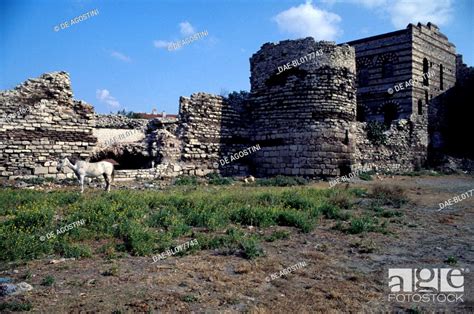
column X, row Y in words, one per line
column 308, row 20
column 161, row 44
column 120, row 56
column 104, row 96
column 404, row 12
column 186, row 28
column 371, row 3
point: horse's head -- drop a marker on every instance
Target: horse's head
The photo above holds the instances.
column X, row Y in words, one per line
column 62, row 163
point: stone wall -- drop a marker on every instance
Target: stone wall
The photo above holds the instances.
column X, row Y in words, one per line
column 383, row 61
column 115, row 121
column 210, row 129
column 40, row 122
column 400, row 153
column 301, row 117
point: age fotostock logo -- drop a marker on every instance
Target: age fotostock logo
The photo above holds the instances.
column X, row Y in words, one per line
column 426, row 285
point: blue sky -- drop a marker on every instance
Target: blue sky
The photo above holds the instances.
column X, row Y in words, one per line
column 118, row 58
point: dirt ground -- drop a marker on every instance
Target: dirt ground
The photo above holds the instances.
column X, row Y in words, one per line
column 343, row 272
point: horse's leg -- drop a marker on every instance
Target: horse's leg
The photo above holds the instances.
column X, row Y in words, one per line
column 81, row 179
column 107, row 181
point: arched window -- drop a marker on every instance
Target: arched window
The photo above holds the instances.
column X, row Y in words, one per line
column 389, row 113
column 425, row 72
column 387, row 69
column 363, row 77
column 441, row 85
column 420, row 107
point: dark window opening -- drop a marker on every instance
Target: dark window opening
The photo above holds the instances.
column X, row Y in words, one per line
column 387, row 69
column 426, row 97
column 346, row 139
column 364, row 77
column 389, row 113
column 441, row 85
column 420, row 107
column 361, row 113
column 281, row 79
column 426, row 81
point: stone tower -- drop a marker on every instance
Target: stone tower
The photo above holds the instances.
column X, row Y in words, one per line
column 303, row 99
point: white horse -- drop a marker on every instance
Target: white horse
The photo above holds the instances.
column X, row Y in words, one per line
column 84, row 169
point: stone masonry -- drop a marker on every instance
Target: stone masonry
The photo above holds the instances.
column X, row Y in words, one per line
column 310, row 111
column 40, row 122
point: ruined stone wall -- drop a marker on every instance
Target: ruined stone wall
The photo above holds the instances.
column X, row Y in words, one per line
column 210, row 129
column 401, row 152
column 301, row 117
column 116, row 121
column 40, row 122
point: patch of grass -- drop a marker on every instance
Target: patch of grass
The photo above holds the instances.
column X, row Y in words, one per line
column 186, row 180
column 216, row 179
column 47, row 281
column 73, row 250
column 112, row 271
column 251, row 248
column 108, row 250
column 389, row 195
column 359, row 192
column 451, row 260
column 331, row 211
column 366, row 246
column 282, row 181
column 391, row 213
column 365, row 224
column 366, row 176
column 138, row 240
column 15, row 306
column 189, row 298
column 145, row 222
column 341, row 199
column 277, row 235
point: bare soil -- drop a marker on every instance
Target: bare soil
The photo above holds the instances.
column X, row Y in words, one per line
column 344, row 273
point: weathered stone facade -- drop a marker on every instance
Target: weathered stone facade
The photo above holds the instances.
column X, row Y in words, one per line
column 40, row 122
column 308, row 112
column 211, row 129
column 301, row 117
column 402, row 75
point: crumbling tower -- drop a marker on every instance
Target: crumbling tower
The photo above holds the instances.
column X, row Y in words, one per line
column 302, row 115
